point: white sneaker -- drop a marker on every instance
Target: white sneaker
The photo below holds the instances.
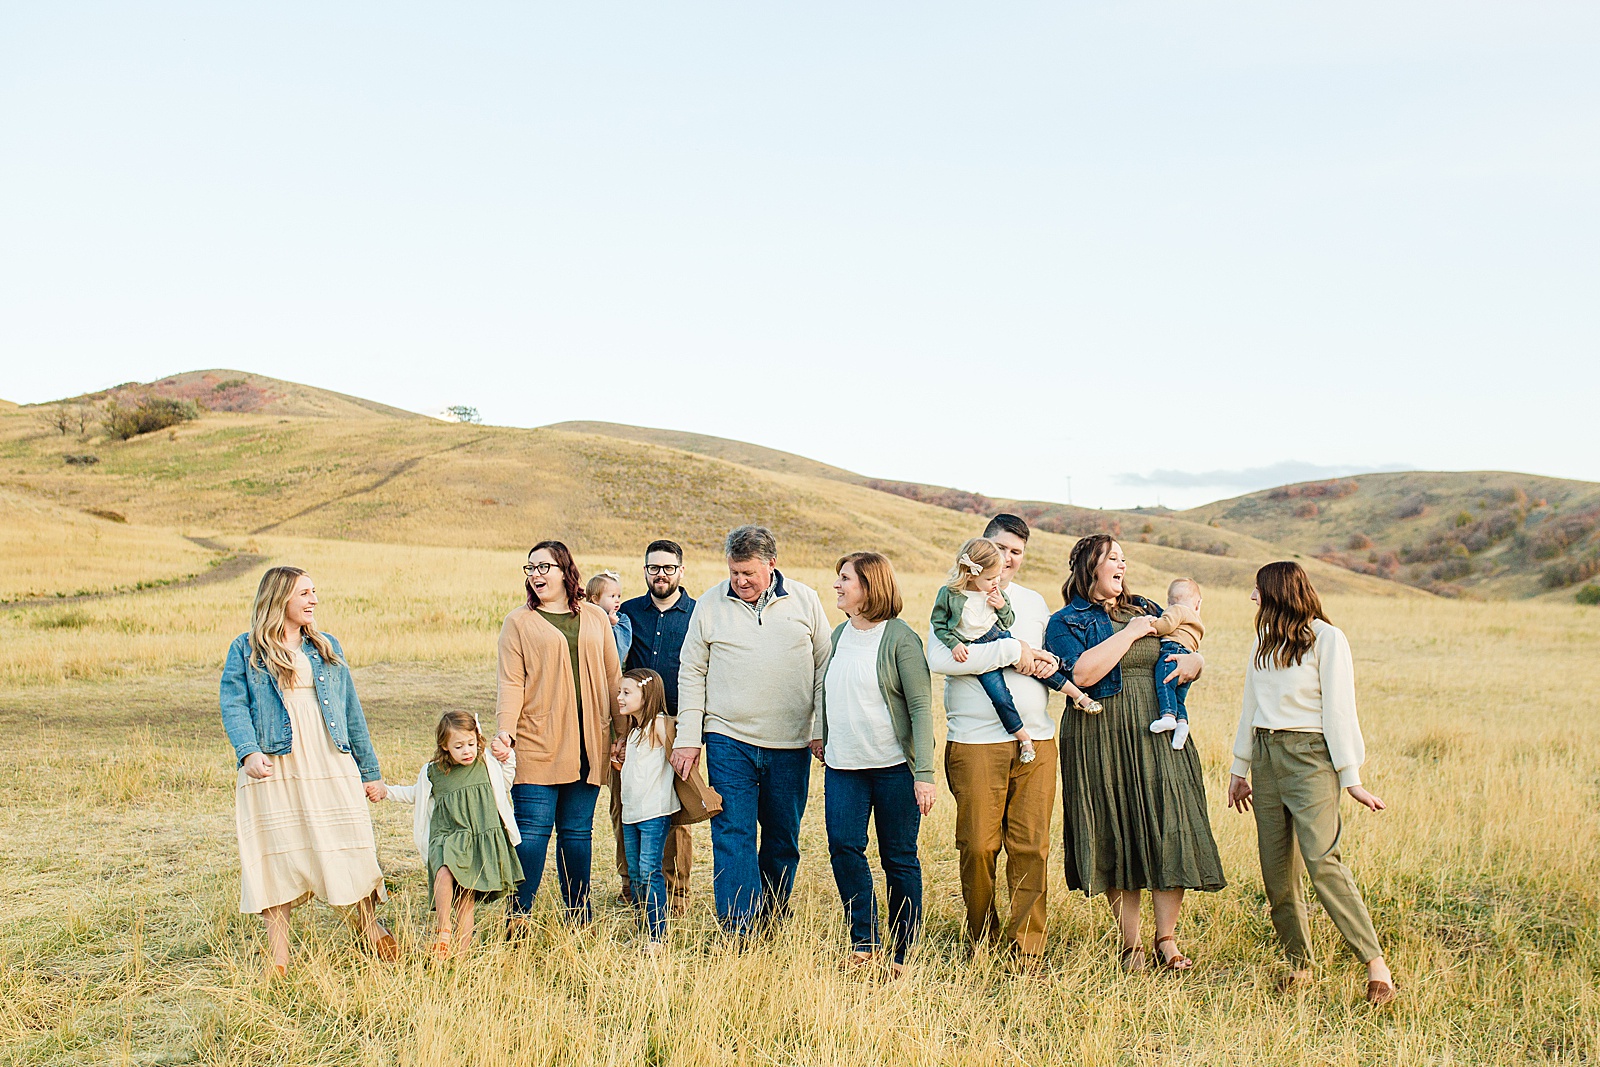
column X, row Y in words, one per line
column 1180, row 735
column 1163, row 724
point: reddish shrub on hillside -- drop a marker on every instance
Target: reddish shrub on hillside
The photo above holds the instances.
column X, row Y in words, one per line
column 954, row 499
column 1307, row 510
column 1358, row 542
column 1559, row 532
column 1570, row 571
column 1412, row 507
column 1334, row 490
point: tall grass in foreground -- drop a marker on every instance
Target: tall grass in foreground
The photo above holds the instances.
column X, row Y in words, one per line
column 120, row 939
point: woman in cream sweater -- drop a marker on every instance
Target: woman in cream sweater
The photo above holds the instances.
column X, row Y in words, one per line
column 557, row 705
column 1300, row 742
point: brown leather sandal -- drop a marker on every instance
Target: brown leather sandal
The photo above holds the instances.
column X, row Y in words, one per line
column 1379, row 993
column 1175, row 962
column 1132, row 960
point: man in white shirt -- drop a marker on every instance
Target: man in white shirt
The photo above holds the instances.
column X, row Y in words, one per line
column 1001, row 802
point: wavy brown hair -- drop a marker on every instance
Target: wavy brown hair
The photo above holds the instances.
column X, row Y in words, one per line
column 876, row 575
column 569, row 575
column 452, row 722
column 269, row 622
column 1087, row 555
column 1288, row 603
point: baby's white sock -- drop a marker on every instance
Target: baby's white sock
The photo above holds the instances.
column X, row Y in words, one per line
column 1163, row 724
column 1181, row 734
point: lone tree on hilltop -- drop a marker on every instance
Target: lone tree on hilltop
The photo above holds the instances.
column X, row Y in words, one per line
column 462, row 413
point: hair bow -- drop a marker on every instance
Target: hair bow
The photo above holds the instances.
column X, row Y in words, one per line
column 613, row 575
column 972, row 568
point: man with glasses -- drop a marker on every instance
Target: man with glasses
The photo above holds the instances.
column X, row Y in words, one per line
column 660, row 619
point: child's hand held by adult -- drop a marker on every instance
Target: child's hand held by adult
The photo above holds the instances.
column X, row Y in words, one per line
column 499, row 749
column 376, row 791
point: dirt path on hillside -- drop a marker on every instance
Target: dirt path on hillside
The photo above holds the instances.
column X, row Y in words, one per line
column 225, row 570
column 400, row 468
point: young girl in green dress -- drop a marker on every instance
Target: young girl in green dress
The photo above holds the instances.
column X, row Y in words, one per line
column 464, row 827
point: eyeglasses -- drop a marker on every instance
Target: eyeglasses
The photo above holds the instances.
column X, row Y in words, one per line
column 668, row 569
column 530, row 569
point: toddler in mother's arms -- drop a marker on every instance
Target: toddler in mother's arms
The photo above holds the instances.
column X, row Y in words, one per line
column 972, row 609
column 464, row 827
column 1180, row 631
column 605, row 589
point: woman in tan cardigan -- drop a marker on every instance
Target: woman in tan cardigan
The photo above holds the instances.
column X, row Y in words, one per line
column 557, row 704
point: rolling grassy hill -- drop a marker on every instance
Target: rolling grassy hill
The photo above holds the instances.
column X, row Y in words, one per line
column 304, row 463
column 1485, row 533
column 1477, row 533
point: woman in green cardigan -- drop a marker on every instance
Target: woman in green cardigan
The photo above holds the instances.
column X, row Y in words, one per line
column 877, row 748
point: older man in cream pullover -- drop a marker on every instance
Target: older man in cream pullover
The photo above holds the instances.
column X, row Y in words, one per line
column 749, row 689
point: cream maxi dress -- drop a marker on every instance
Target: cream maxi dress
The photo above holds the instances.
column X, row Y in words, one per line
column 305, row 831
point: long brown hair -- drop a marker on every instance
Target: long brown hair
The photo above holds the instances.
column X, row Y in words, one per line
column 452, row 722
column 569, row 575
column 1087, row 555
column 269, row 623
column 876, row 576
column 655, row 698
column 1283, row 618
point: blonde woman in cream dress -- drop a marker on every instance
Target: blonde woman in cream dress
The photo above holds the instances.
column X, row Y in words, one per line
column 307, row 769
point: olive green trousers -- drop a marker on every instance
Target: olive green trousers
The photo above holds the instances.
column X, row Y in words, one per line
column 1296, row 798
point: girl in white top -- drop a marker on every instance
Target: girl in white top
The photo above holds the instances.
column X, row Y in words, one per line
column 1299, row 741
column 649, row 798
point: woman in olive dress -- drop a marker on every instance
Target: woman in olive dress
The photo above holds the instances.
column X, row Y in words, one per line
column 1134, row 809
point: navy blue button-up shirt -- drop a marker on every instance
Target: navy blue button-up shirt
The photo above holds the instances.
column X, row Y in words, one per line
column 658, row 639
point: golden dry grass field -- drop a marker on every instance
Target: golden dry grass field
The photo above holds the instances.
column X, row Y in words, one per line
column 120, row 939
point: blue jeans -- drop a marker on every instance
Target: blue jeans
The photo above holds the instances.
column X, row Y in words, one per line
column 994, row 684
column 569, row 811
column 886, row 794
column 644, row 842
column 1171, row 695
column 761, row 788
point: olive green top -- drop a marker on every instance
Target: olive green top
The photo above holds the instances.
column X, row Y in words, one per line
column 568, row 625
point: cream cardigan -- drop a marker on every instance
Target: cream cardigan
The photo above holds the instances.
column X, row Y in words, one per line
column 421, row 794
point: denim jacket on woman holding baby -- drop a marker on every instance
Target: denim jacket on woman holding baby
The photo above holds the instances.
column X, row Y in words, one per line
column 256, row 720
column 1080, row 626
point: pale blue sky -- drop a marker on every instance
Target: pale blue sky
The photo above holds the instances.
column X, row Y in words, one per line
column 993, row 246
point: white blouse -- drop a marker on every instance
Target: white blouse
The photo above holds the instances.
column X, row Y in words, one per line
column 1316, row 695
column 647, row 790
column 860, row 732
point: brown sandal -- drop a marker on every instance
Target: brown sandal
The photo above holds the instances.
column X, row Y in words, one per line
column 1132, row 960
column 1379, row 993
column 1175, row 962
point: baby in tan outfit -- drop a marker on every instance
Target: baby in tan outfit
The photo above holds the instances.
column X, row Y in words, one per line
column 1180, row 631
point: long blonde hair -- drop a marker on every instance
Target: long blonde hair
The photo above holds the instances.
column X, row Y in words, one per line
column 979, row 552
column 269, row 622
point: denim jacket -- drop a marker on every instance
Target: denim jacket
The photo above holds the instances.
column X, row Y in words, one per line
column 256, row 720
column 1080, row 626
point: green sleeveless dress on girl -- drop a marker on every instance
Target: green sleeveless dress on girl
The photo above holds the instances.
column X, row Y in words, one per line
column 466, row 834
